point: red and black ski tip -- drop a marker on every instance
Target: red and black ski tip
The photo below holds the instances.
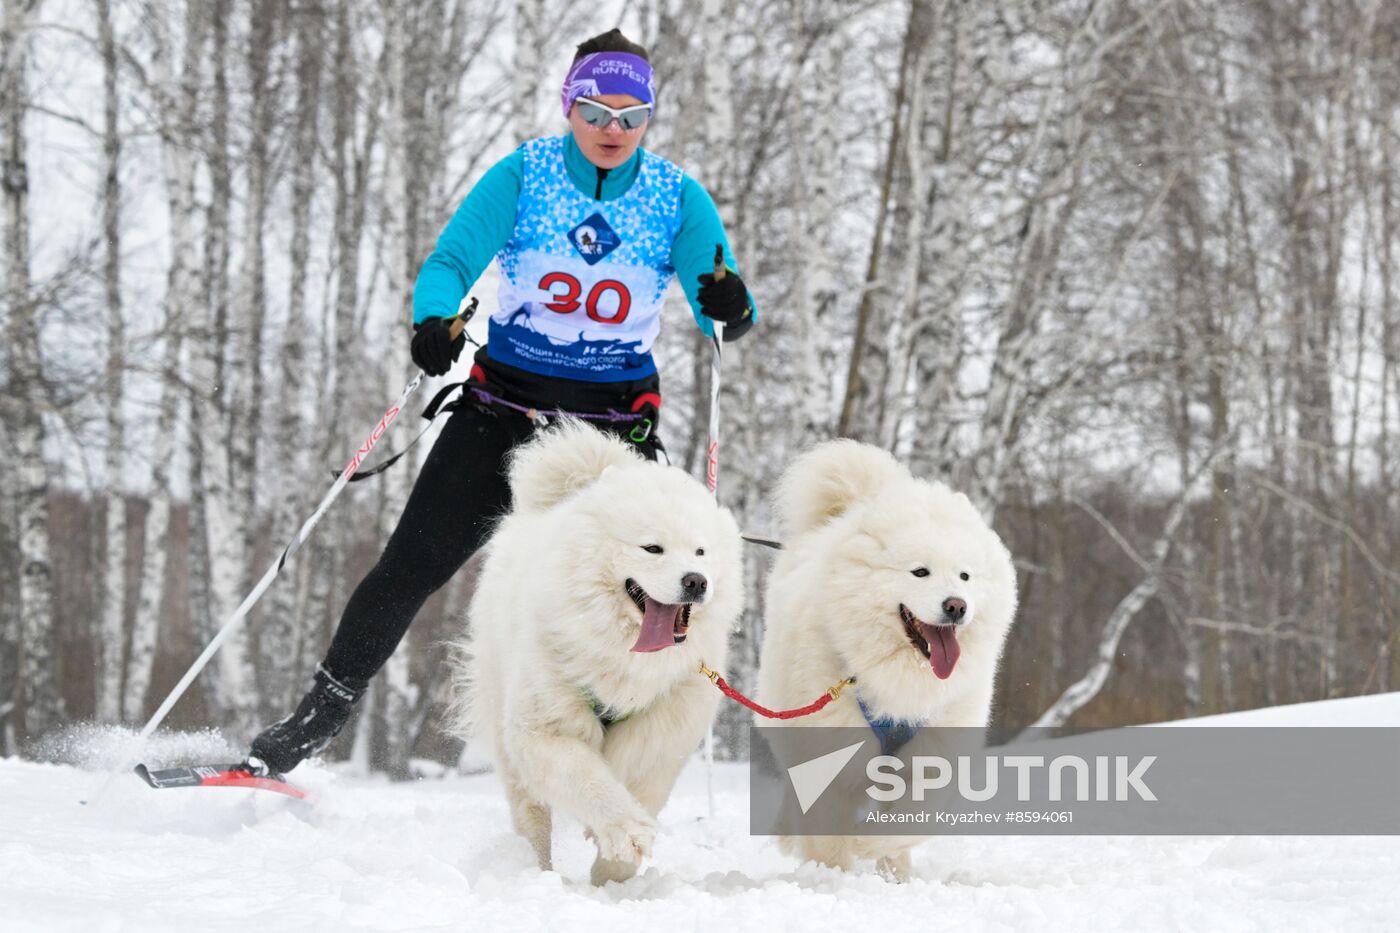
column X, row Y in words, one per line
column 235, row 775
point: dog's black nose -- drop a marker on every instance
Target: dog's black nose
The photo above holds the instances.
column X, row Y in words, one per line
column 694, row 585
column 954, row 608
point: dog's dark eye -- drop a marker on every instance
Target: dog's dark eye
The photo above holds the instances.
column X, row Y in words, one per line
column 920, row 572
column 699, row 552
column 653, row 548
column 964, row 576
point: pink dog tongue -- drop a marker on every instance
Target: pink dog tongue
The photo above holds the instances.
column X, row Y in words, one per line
column 658, row 626
column 943, row 650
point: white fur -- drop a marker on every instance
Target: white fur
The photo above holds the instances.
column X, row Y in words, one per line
column 856, row 524
column 550, row 619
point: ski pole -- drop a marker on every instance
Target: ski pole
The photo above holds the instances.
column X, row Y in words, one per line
column 712, row 478
column 712, row 452
column 457, row 326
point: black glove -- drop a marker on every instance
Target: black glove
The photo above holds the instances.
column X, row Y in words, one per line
column 726, row 301
column 434, row 350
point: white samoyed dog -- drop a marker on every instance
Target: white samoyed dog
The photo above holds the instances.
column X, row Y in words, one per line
column 896, row 582
column 601, row 592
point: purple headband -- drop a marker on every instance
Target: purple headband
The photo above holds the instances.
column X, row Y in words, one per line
column 608, row 73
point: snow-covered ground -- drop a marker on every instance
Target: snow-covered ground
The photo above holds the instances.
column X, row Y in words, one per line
column 439, row 854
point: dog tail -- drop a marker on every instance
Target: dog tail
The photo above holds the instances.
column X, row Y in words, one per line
column 563, row 460
column 827, row 480
column 462, row 717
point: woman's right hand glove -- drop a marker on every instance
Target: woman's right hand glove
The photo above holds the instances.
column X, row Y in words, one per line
column 433, row 349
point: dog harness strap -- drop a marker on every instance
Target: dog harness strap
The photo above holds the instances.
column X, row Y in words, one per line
column 831, row 693
column 893, row 734
column 600, row 709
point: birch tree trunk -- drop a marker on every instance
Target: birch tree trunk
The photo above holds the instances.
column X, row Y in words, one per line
column 245, row 418
column 925, row 421
column 11, row 692
column 427, row 50
column 112, row 627
column 861, row 382
column 383, row 730
column 24, row 396
column 217, row 517
column 351, row 152
column 1389, row 654
column 530, row 37
column 815, row 270
column 717, row 133
column 281, row 630
column 177, row 96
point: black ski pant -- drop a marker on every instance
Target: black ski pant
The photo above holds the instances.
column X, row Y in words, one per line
column 460, row 493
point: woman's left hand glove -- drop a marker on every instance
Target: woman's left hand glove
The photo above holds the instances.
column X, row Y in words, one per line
column 726, row 301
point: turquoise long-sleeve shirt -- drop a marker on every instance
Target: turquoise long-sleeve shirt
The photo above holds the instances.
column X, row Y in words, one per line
column 485, row 220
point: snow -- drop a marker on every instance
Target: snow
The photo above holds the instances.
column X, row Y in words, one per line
column 440, row 854
column 1380, row 710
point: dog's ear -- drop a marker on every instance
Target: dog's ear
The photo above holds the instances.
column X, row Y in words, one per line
column 563, row 460
column 827, row 480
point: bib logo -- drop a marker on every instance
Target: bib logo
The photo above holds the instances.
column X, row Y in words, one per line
column 594, row 239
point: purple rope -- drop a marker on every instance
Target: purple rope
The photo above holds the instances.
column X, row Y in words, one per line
column 533, row 412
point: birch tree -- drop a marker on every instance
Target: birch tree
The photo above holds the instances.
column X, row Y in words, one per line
column 175, row 93
column 283, row 625
column 112, row 628
column 23, row 397
column 11, row 692
column 217, row 515
column 355, row 130
column 865, row 373
column 531, row 30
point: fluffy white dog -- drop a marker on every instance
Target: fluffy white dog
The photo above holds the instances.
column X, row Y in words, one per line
column 895, row 581
column 601, row 592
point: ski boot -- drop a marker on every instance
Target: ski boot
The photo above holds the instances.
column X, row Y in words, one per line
column 318, row 718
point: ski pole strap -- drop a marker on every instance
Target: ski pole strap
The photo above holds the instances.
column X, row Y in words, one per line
column 773, row 543
column 832, row 693
column 457, row 328
column 435, row 408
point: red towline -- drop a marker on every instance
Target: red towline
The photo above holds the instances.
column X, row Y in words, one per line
column 832, row 693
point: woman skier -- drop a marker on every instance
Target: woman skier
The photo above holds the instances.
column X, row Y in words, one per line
column 588, row 230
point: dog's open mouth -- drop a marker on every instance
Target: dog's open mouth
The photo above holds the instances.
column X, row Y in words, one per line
column 663, row 624
column 938, row 643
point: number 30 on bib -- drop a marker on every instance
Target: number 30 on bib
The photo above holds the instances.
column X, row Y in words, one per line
column 565, row 290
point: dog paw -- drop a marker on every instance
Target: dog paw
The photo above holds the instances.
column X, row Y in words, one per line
column 626, row 840
column 605, row 870
column 895, row 868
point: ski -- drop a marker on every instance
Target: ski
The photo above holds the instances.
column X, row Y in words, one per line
column 234, row 775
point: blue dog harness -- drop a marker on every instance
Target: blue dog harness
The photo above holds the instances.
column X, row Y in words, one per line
column 893, row 734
